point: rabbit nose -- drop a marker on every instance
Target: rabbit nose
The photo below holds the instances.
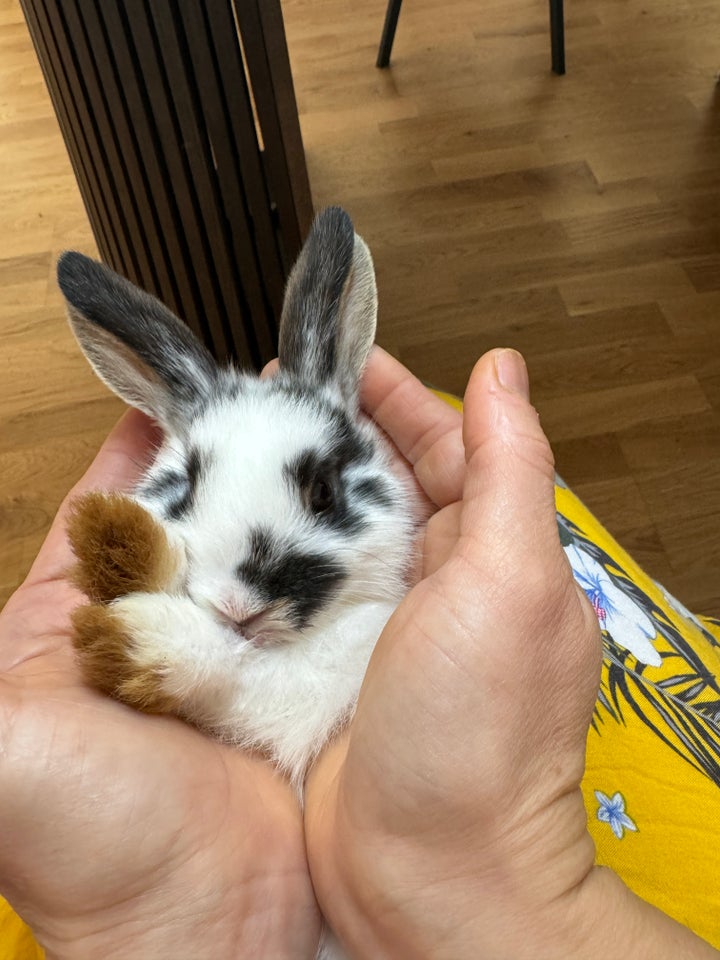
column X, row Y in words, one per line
column 249, row 625
column 253, row 620
column 256, row 627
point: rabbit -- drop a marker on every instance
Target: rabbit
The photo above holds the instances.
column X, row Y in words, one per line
column 243, row 583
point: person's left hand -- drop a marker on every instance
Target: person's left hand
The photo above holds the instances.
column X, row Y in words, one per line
column 123, row 834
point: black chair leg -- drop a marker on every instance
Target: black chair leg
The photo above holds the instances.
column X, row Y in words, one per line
column 557, row 36
column 388, row 34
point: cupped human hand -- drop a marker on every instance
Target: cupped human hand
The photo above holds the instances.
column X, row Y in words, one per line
column 123, row 834
column 448, row 821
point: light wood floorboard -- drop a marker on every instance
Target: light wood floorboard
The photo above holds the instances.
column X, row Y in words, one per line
column 576, row 219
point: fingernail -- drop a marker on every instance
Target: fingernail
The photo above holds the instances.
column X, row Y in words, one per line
column 512, row 372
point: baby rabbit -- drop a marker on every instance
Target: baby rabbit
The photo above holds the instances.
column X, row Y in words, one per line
column 244, row 582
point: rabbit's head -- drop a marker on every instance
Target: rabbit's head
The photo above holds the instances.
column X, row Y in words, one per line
column 280, row 491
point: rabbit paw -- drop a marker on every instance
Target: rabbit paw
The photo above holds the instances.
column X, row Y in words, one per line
column 120, row 548
column 159, row 653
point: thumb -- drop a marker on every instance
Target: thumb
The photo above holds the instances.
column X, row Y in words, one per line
column 509, row 494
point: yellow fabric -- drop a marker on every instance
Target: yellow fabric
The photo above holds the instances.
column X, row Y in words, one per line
column 16, row 941
column 647, row 755
column 652, row 780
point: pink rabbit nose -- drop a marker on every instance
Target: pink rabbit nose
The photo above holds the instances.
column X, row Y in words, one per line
column 251, row 627
column 253, row 620
column 250, row 617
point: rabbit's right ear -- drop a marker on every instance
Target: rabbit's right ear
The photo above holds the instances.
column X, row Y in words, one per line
column 134, row 343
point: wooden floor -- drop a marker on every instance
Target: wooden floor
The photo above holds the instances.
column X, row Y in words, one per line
column 575, row 218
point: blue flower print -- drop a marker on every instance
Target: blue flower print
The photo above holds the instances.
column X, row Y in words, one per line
column 612, row 811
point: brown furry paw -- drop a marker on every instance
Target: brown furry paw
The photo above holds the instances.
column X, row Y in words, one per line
column 120, row 548
column 112, row 662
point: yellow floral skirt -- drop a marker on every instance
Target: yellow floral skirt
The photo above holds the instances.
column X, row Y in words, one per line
column 652, row 779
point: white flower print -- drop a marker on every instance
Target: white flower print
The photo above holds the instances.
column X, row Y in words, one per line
column 624, row 620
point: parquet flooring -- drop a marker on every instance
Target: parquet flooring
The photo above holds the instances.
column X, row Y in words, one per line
column 576, row 219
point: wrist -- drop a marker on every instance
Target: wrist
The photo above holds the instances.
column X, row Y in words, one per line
column 395, row 899
column 616, row 922
column 267, row 918
column 451, row 892
column 599, row 919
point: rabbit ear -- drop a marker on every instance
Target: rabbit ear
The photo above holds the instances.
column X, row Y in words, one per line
column 330, row 310
column 135, row 344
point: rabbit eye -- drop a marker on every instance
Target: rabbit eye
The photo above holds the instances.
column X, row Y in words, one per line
column 321, row 496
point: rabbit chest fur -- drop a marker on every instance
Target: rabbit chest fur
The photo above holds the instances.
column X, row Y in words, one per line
column 272, row 536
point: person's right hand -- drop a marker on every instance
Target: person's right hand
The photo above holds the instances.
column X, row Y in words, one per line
column 122, row 834
column 448, row 822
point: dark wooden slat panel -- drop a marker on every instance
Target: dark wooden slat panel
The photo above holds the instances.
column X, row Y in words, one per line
column 243, row 258
column 107, row 46
column 83, row 117
column 160, row 118
column 106, row 105
column 246, row 147
column 199, row 180
column 275, row 43
column 156, row 109
column 266, row 53
column 181, row 291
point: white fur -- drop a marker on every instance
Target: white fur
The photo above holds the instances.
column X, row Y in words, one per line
column 289, row 695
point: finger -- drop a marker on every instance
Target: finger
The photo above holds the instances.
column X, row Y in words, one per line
column 509, row 490
column 270, row 369
column 509, row 535
column 425, row 429
column 117, row 465
column 441, row 537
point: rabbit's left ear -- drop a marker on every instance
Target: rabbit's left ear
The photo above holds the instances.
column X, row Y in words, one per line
column 330, row 311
